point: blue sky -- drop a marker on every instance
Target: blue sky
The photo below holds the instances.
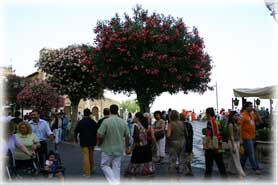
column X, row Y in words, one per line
column 238, row 35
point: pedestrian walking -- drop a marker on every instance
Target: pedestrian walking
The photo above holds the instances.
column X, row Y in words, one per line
column 141, row 159
column 65, row 132
column 159, row 132
column 248, row 121
column 42, row 130
column 176, row 135
column 87, row 130
column 234, row 165
column 130, row 122
column 151, row 142
column 189, row 144
column 106, row 113
column 212, row 145
column 16, row 120
column 113, row 137
column 56, row 127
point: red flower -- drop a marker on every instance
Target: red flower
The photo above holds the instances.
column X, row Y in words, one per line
column 155, row 71
column 148, row 71
column 173, row 70
column 196, row 66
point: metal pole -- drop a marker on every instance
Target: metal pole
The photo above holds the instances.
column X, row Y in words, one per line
column 270, row 108
column 232, row 103
column 216, row 97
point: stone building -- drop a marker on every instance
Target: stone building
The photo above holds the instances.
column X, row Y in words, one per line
column 36, row 76
column 95, row 106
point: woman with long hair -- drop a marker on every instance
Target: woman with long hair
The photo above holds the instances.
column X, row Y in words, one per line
column 159, row 126
column 234, row 144
column 212, row 145
column 141, row 159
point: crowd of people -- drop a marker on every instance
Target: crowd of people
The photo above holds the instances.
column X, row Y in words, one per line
column 26, row 139
column 139, row 137
column 241, row 140
column 145, row 140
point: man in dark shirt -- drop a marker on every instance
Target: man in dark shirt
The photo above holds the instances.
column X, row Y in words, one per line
column 189, row 146
column 106, row 113
column 87, row 130
column 16, row 120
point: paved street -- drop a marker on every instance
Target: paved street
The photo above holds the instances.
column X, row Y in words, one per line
column 72, row 161
column 71, row 156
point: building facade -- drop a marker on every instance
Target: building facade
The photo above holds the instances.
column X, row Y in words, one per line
column 95, row 106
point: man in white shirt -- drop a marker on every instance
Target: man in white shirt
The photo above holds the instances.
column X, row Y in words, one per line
column 42, row 130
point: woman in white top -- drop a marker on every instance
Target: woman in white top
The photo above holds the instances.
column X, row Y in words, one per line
column 159, row 126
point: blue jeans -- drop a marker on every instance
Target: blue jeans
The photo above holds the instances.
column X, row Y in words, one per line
column 249, row 152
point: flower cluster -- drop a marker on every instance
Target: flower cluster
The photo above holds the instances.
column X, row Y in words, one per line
column 71, row 71
column 40, row 95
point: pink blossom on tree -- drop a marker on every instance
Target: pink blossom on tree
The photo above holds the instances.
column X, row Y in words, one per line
column 161, row 53
column 40, row 95
column 72, row 72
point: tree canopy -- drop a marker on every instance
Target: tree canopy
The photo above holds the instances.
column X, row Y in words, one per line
column 40, row 95
column 71, row 71
column 150, row 54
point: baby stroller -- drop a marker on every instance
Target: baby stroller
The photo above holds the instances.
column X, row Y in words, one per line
column 55, row 168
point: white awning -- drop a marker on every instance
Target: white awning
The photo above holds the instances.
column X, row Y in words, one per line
column 269, row 92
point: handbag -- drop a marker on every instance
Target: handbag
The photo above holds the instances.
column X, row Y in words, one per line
column 159, row 134
column 241, row 150
column 215, row 142
column 210, row 143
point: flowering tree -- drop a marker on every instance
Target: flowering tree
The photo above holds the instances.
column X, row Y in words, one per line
column 41, row 96
column 151, row 54
column 71, row 71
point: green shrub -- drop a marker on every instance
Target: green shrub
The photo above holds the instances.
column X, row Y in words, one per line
column 263, row 134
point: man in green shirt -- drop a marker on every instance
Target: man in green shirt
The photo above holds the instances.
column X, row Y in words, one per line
column 111, row 136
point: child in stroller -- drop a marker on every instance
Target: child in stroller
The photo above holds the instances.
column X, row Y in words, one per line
column 53, row 167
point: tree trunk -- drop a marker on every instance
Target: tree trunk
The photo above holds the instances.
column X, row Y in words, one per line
column 144, row 107
column 144, row 103
column 73, row 117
